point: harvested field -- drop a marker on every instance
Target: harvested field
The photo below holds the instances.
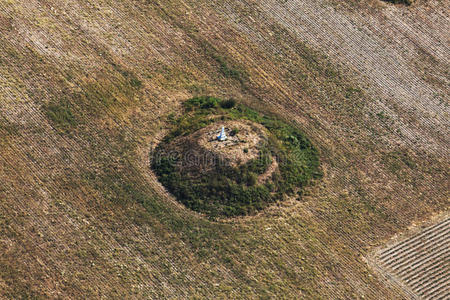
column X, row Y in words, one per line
column 86, row 86
column 421, row 263
column 388, row 48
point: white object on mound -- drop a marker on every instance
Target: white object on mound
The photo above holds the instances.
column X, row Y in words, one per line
column 222, row 136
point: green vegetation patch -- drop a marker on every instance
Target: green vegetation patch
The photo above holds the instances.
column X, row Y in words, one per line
column 61, row 114
column 225, row 190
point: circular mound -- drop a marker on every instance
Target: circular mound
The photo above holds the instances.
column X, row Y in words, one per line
column 262, row 160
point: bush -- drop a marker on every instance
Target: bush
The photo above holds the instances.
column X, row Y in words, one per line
column 201, row 102
column 227, row 104
column 252, row 179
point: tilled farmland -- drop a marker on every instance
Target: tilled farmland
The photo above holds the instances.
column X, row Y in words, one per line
column 420, row 263
column 89, row 87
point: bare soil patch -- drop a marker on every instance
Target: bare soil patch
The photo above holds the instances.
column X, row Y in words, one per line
column 201, row 151
column 242, row 144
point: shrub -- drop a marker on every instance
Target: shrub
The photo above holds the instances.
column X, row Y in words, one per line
column 201, row 102
column 252, row 178
column 227, row 104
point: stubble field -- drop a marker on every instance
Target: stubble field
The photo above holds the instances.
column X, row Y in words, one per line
column 87, row 87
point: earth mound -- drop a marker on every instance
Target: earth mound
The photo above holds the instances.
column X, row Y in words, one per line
column 262, row 160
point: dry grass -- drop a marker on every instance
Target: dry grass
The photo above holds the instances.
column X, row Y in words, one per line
column 81, row 216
